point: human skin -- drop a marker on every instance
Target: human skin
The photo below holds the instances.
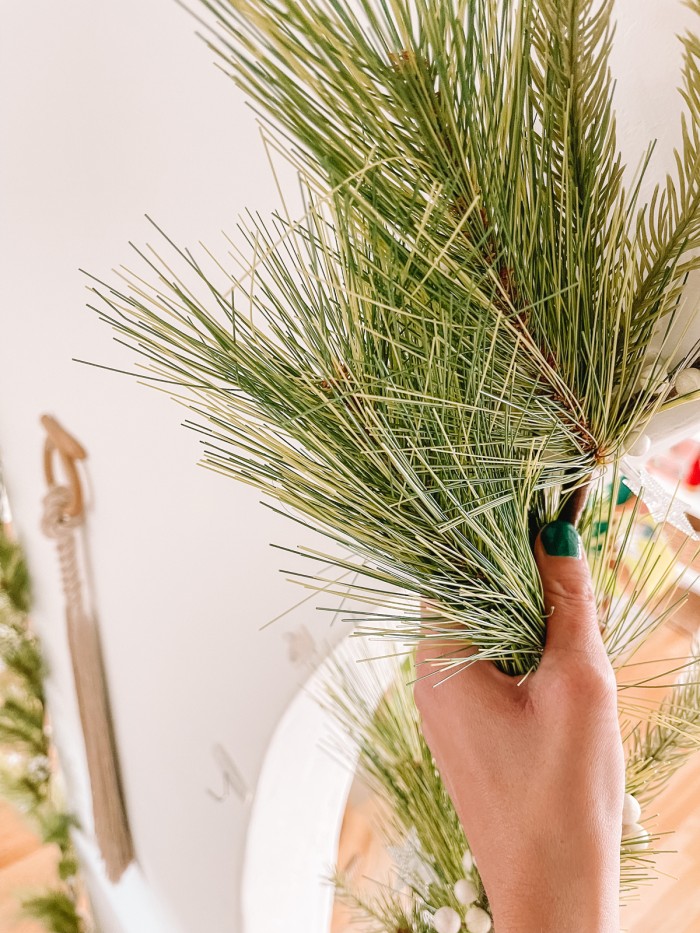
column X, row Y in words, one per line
column 536, row 769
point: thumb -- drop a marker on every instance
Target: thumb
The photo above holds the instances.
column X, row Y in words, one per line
column 569, row 599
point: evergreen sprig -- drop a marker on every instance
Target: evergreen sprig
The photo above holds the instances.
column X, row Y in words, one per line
column 396, row 763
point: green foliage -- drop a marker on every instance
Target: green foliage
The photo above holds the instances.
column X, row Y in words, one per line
column 14, row 576
column 55, row 909
column 396, row 763
column 26, row 774
column 449, row 343
column 661, row 746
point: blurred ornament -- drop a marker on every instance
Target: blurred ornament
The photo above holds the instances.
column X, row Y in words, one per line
column 478, row 921
column 638, row 444
column 687, row 381
column 466, row 892
column 411, row 864
column 631, row 811
column 39, row 769
column 662, row 506
column 447, row 920
column 638, row 839
column 653, row 373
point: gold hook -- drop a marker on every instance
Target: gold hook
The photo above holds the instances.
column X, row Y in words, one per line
column 59, row 441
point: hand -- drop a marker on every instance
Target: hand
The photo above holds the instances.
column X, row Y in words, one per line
column 536, row 770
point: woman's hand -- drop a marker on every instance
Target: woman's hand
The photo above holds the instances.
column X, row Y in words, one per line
column 536, row 770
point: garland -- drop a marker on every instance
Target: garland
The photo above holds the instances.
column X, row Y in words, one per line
column 27, row 777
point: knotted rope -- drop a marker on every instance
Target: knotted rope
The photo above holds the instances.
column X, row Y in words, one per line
column 111, row 825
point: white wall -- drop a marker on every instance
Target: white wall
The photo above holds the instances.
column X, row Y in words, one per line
column 109, row 111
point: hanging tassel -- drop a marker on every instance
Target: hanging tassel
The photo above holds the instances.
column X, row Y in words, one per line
column 62, row 521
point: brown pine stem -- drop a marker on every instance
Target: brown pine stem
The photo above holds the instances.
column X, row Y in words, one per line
column 575, row 504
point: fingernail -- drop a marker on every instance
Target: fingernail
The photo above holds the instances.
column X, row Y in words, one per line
column 560, row 539
column 624, row 493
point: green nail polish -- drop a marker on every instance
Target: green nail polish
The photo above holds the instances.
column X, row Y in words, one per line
column 624, row 493
column 560, row 539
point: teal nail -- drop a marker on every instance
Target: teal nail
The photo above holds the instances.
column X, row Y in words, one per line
column 624, row 493
column 560, row 539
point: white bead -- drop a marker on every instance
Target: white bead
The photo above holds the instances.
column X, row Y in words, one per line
column 468, row 861
column 687, row 380
column 447, row 920
column 640, row 836
column 466, row 892
column 651, row 371
column 478, row 921
column 637, row 444
column 631, row 811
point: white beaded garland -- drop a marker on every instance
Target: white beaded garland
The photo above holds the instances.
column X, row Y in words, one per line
column 631, row 811
column 637, row 444
column 478, row 921
column 468, row 861
column 39, row 769
column 466, row 892
column 447, row 920
column 641, row 837
column 12, row 759
column 652, row 371
column 687, row 380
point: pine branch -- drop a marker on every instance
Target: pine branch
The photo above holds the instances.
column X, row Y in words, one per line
column 429, row 363
column 663, row 744
column 668, row 229
column 397, row 765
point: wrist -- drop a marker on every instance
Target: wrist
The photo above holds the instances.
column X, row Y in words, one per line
column 551, row 915
column 559, row 899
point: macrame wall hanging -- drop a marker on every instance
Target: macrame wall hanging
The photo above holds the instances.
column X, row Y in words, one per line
column 63, row 520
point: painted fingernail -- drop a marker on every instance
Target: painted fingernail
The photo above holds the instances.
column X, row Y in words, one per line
column 624, row 493
column 560, row 539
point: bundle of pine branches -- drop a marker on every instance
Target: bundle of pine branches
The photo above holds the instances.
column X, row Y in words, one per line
column 469, row 325
column 455, row 337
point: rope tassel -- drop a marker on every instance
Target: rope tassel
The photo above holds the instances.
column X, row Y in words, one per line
column 62, row 523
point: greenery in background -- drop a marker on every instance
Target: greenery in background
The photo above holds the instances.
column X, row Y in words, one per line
column 661, row 745
column 471, row 320
column 26, row 776
column 397, row 765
